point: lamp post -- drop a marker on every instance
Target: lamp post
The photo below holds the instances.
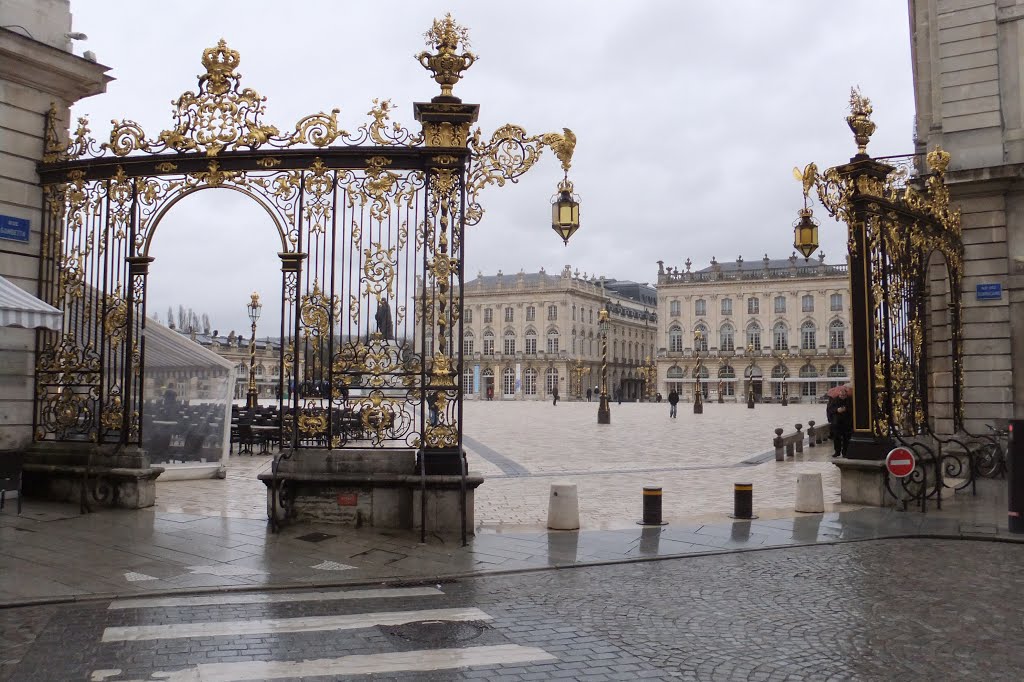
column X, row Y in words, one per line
column 254, row 309
column 651, row 376
column 698, row 394
column 782, row 358
column 604, row 412
column 578, row 370
column 750, row 377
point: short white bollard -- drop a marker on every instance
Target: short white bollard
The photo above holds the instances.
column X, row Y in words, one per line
column 809, row 495
column 563, row 507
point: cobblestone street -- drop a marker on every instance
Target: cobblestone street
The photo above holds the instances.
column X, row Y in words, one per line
column 881, row 610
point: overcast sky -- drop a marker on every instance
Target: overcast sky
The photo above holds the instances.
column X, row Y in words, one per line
column 689, row 117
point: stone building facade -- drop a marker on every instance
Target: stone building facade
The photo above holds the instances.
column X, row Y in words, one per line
column 968, row 60
column 526, row 333
column 793, row 314
column 37, row 70
column 235, row 349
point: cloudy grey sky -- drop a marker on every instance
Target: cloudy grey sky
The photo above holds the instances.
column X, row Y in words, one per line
column 689, row 117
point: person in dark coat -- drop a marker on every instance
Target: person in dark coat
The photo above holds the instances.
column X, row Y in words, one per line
column 554, row 395
column 589, row 394
column 673, row 400
column 839, row 413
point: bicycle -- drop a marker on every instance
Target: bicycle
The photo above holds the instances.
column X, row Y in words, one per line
column 991, row 457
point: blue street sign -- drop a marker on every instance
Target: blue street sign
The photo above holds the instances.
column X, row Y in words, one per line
column 14, row 229
column 989, row 292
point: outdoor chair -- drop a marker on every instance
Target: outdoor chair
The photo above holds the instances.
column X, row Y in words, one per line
column 10, row 475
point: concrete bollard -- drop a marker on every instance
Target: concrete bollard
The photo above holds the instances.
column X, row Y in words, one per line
column 780, row 455
column 810, row 433
column 809, row 495
column 563, row 507
column 799, row 439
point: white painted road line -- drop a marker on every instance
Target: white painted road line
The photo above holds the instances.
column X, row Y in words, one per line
column 280, row 625
column 402, row 661
column 273, row 597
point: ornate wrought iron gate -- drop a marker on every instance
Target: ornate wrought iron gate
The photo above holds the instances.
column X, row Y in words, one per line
column 371, row 228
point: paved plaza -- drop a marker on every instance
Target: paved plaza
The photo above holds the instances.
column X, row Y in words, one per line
column 521, row 448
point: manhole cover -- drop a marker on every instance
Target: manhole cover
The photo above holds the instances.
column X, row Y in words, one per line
column 435, row 631
column 314, row 537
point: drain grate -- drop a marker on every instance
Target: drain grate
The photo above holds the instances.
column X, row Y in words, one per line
column 314, row 537
column 436, row 632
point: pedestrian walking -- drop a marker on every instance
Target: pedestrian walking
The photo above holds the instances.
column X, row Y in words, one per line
column 554, row 395
column 839, row 413
column 589, row 393
column 673, row 400
column 618, row 396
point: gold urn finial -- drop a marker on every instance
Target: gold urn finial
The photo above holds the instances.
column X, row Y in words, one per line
column 859, row 119
column 447, row 66
column 220, row 63
column 938, row 160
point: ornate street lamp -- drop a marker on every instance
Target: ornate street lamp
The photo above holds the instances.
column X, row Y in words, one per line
column 782, row 358
column 254, row 309
column 651, row 375
column 565, row 211
column 698, row 394
column 805, row 233
column 578, row 370
column 750, row 377
column 604, row 411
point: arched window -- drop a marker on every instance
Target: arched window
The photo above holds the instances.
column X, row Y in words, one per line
column 702, row 343
column 467, row 343
column 510, row 342
column 837, row 373
column 550, row 380
column 703, row 372
column 754, row 335
column 530, row 382
column 779, row 372
column 780, row 336
column 508, row 381
column 836, row 335
column 726, row 338
column 675, row 372
column 242, row 368
column 675, row 339
column 531, row 341
column 808, row 389
column 488, row 342
column 808, row 336
column 553, row 341
column 468, row 385
column 727, row 373
column 259, row 370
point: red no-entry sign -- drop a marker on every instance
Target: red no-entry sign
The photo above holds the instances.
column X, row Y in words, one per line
column 900, row 462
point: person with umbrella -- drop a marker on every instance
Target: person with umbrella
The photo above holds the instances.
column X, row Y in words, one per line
column 839, row 412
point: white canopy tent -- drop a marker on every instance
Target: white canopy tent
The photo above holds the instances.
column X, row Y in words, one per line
column 18, row 308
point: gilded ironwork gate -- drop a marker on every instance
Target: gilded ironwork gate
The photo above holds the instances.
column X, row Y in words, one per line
column 371, row 227
column 898, row 215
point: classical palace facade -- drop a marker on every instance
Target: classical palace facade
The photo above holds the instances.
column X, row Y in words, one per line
column 784, row 323
column 525, row 334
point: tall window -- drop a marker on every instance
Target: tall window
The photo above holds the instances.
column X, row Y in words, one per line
column 467, row 315
column 808, row 389
column 674, row 308
column 807, row 303
column 675, row 339
column 508, row 381
column 552, row 341
column 753, row 305
column 780, row 304
column 530, row 382
column 552, row 312
column 836, row 301
column 509, row 315
column 780, row 336
column 836, row 375
column 488, row 315
column 726, row 338
column 428, row 346
column 778, row 372
column 836, row 335
column 531, row 342
column 726, row 372
column 754, row 336
column 591, row 316
column 467, row 344
column 531, row 313
column 808, row 336
column 468, row 385
column 702, row 343
column 550, row 380
column 510, row 343
column 700, row 307
column 488, row 343
column 675, row 378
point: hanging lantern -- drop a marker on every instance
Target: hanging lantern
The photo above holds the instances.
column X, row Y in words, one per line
column 805, row 233
column 254, row 307
column 565, row 211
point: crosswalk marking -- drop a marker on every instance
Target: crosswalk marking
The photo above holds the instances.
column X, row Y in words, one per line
column 425, row 660
column 273, row 597
column 280, row 625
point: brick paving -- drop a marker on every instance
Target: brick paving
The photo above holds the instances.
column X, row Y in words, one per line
column 892, row 609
